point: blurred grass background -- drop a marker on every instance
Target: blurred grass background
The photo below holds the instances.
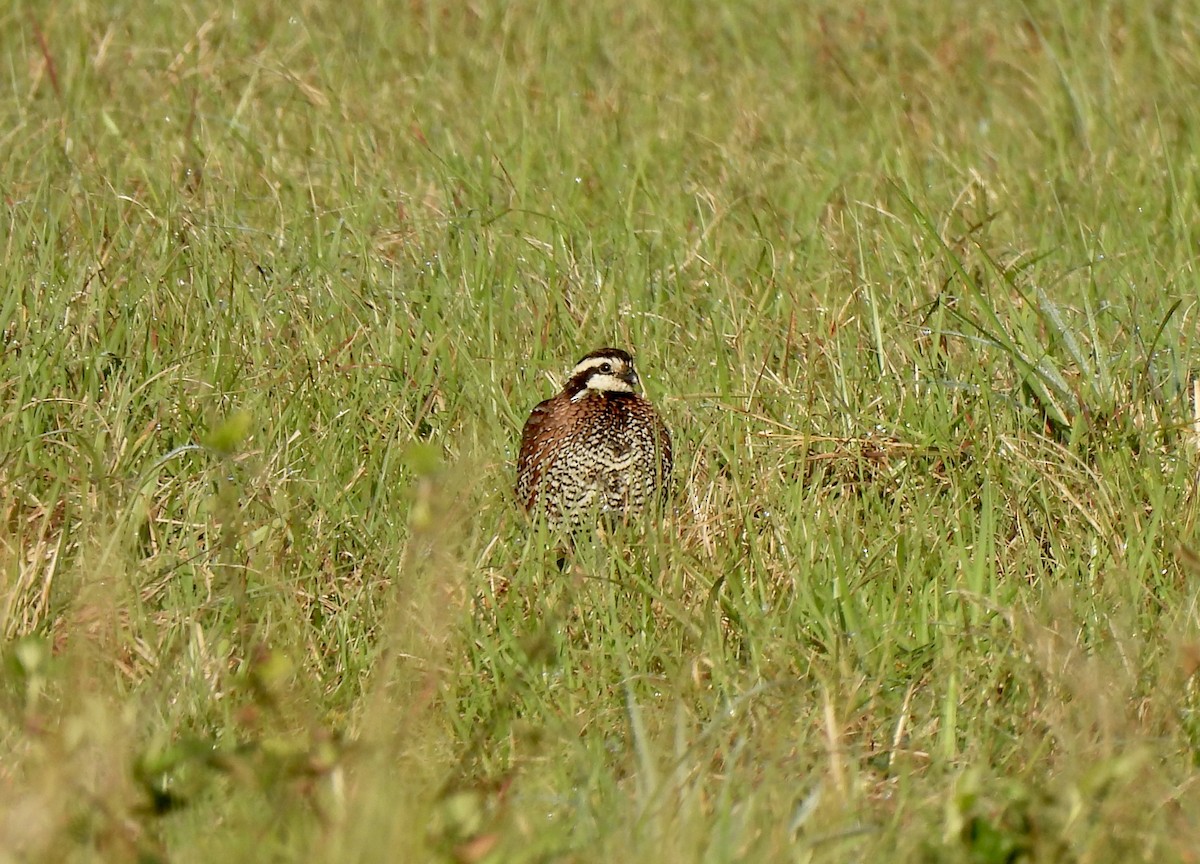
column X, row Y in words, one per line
column 914, row 285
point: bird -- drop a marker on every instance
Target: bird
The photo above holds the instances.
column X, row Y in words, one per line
column 597, row 448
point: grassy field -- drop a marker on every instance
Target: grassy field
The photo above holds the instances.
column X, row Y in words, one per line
column 914, row 284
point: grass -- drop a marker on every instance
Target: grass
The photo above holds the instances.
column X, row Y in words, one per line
column 914, row 286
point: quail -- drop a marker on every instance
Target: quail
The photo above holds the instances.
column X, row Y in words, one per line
column 598, row 447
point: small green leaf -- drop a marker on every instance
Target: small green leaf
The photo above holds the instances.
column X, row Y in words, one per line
column 226, row 437
column 423, row 459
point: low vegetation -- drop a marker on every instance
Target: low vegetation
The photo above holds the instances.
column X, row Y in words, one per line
column 913, row 284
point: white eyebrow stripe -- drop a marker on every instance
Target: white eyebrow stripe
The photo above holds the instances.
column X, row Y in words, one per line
column 594, row 363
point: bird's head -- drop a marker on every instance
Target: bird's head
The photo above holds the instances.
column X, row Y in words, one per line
column 608, row 370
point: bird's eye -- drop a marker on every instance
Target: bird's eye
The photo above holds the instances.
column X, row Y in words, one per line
column 605, row 368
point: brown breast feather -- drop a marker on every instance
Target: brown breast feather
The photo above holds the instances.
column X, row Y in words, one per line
column 556, row 417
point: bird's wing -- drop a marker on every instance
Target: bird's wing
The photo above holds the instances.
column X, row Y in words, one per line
column 538, row 430
column 665, row 455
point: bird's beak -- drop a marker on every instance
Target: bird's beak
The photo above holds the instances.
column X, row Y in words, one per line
column 632, row 378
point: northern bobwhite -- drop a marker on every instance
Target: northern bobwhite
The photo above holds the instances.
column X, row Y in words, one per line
column 597, row 447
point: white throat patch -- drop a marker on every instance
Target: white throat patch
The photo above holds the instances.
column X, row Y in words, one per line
column 609, row 384
column 603, row 384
